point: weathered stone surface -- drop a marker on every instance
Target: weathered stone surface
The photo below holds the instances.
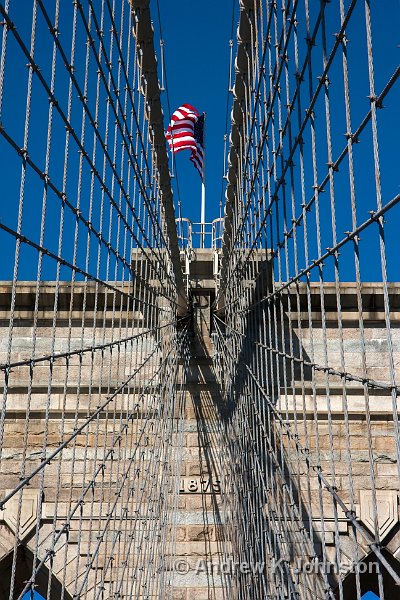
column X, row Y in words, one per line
column 202, row 526
column 386, row 507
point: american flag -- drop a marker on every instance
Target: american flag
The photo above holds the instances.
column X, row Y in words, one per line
column 186, row 131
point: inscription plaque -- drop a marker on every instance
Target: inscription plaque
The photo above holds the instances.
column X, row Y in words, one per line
column 200, row 485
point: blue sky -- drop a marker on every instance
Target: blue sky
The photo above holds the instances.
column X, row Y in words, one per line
column 197, row 64
column 197, row 60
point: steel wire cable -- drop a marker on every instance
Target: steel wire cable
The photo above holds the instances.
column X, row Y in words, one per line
column 304, row 422
column 294, row 333
column 93, row 361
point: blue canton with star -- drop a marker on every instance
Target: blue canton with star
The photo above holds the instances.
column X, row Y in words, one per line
column 199, row 131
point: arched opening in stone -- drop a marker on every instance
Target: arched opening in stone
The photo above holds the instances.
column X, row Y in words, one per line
column 24, row 566
column 369, row 569
column 369, row 596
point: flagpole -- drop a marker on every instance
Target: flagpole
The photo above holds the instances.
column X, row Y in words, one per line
column 203, row 189
column 203, row 211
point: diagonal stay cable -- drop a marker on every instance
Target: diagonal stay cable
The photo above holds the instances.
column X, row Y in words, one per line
column 350, row 515
column 89, row 486
column 62, row 261
column 77, row 431
column 319, row 262
column 122, row 484
column 80, row 351
column 334, row 166
column 10, row 25
column 344, row 375
column 127, row 143
column 270, row 104
column 298, row 139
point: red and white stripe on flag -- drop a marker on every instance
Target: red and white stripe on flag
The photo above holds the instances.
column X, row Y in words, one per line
column 184, row 133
